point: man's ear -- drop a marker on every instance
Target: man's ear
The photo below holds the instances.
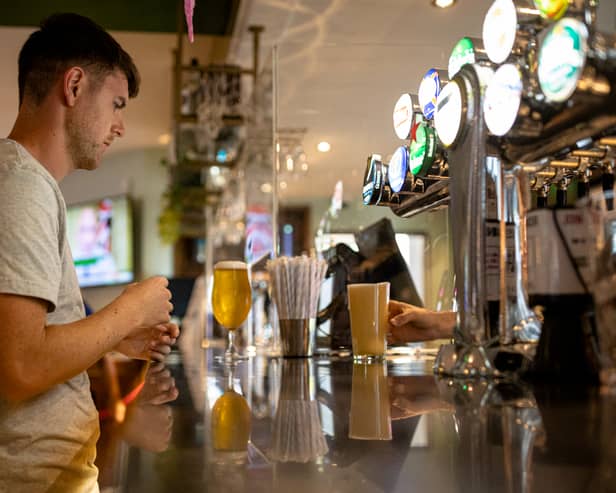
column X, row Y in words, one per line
column 73, row 84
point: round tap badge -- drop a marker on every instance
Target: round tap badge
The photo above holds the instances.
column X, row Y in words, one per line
column 562, row 58
column 499, row 30
column 422, row 150
column 502, row 99
column 448, row 116
column 403, row 116
column 429, row 89
column 463, row 52
column 372, row 180
column 398, row 167
column 552, row 9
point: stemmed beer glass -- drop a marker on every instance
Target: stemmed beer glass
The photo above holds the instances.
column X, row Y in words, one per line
column 231, row 301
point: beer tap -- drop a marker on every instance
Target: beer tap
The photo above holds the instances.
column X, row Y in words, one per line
column 576, row 74
column 462, row 133
column 542, row 195
column 561, row 191
column 583, row 184
column 376, row 189
column 607, row 183
column 521, row 324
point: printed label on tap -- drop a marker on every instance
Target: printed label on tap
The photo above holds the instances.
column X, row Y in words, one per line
column 492, row 261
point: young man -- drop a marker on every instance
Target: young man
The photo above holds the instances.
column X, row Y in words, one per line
column 74, row 82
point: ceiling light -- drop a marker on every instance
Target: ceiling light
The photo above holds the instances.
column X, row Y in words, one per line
column 323, row 146
column 266, row 188
column 283, row 185
column 164, row 139
column 443, row 4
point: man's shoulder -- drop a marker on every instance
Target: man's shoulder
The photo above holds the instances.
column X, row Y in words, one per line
column 21, row 172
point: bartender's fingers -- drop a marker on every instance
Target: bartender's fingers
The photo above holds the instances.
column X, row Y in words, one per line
column 396, row 307
column 409, row 315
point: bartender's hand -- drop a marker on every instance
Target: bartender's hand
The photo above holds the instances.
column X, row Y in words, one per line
column 150, row 342
column 415, row 395
column 408, row 323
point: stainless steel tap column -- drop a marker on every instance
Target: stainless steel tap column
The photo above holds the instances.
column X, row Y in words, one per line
column 521, row 324
column 467, row 158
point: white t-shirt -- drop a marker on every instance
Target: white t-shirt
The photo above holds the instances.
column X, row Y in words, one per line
column 48, row 443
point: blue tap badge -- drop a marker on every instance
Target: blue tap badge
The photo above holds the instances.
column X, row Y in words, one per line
column 398, row 168
column 429, row 89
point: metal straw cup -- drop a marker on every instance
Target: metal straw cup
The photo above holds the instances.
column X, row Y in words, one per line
column 296, row 283
column 297, row 336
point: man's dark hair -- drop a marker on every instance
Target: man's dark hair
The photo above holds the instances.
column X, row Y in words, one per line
column 64, row 41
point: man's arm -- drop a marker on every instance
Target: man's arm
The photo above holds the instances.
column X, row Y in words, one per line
column 409, row 323
column 34, row 357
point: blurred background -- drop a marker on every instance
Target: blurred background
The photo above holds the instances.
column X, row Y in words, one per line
column 193, row 181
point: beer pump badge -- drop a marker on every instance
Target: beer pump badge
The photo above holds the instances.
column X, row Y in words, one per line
column 423, row 150
column 429, row 89
column 398, row 168
column 448, row 116
column 499, row 30
column 403, row 116
column 552, row 9
column 502, row 99
column 562, row 58
column 373, row 180
column 463, row 52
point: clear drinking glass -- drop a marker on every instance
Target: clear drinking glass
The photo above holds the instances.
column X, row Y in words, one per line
column 231, row 301
column 368, row 316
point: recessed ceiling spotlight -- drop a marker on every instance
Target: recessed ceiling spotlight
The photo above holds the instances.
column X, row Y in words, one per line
column 323, row 146
column 164, row 139
column 443, row 4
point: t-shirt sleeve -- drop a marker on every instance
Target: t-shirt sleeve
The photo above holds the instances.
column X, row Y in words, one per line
column 30, row 257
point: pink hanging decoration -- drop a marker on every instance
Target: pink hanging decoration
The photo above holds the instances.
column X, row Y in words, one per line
column 189, row 7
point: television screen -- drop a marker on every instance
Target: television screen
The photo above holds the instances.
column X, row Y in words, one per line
column 100, row 234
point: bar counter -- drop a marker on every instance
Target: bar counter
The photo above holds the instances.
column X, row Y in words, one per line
column 326, row 424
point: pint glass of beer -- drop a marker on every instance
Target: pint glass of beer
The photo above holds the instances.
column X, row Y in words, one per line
column 231, row 300
column 368, row 314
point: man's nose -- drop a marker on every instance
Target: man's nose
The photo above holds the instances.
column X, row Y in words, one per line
column 118, row 128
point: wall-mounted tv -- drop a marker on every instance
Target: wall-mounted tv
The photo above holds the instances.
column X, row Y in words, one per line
column 100, row 233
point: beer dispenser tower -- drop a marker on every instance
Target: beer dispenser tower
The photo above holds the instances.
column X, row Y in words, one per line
column 530, row 108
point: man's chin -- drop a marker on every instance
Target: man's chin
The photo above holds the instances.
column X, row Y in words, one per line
column 89, row 165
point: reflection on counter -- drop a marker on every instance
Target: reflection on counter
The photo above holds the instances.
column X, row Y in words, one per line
column 280, row 425
column 297, row 435
column 146, row 423
column 370, row 415
column 230, row 424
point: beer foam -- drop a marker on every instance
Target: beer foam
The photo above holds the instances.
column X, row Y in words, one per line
column 231, row 265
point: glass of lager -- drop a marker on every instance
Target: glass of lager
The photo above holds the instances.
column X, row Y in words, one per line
column 368, row 316
column 231, row 300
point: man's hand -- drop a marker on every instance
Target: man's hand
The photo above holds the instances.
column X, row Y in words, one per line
column 408, row 323
column 159, row 386
column 146, row 303
column 150, row 342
